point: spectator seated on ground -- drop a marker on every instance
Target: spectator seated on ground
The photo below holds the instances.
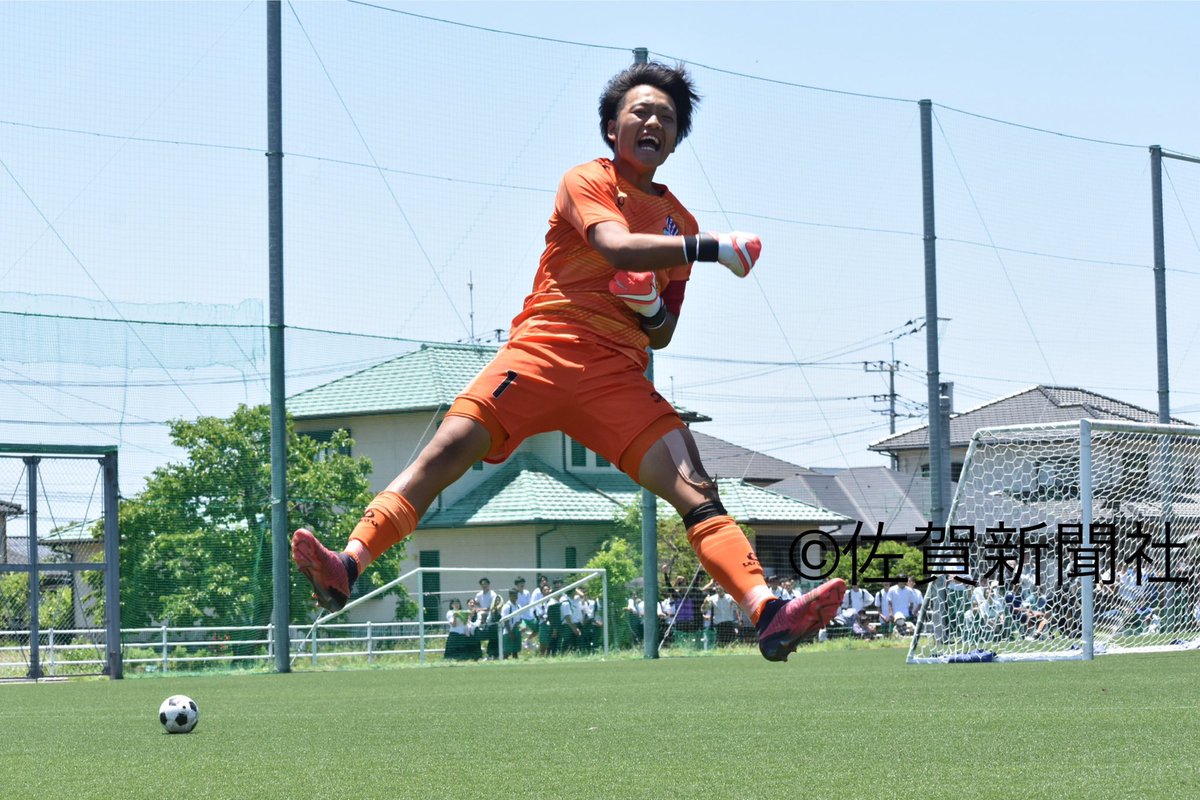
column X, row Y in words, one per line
column 863, row 628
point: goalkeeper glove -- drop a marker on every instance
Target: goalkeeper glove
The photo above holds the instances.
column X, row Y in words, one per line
column 639, row 291
column 737, row 250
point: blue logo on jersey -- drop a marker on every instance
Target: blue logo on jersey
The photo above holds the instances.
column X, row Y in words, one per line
column 671, row 228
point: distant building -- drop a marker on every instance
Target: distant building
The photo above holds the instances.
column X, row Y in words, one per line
column 7, row 510
column 1035, row 405
column 873, row 496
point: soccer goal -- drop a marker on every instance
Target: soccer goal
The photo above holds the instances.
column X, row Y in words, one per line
column 1064, row 541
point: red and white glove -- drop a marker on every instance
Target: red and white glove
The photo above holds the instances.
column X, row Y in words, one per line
column 738, row 250
column 639, row 290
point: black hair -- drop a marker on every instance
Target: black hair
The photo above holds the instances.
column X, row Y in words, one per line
column 675, row 82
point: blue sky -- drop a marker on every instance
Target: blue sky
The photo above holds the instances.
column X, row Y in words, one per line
column 423, row 158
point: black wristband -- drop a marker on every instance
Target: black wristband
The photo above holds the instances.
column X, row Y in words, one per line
column 707, row 247
column 656, row 321
column 691, row 247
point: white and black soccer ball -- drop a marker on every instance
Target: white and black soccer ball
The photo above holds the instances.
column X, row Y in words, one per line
column 179, row 714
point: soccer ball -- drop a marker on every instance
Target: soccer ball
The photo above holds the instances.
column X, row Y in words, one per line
column 179, row 714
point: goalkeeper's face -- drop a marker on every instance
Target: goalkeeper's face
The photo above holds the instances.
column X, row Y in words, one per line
column 643, row 134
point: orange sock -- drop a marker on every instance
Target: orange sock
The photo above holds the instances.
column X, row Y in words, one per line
column 726, row 554
column 387, row 520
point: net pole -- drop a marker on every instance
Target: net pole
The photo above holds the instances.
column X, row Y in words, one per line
column 279, row 534
column 641, row 55
column 35, row 603
column 1160, row 286
column 112, row 569
column 1087, row 581
column 939, row 457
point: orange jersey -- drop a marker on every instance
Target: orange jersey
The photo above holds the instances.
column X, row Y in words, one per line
column 570, row 296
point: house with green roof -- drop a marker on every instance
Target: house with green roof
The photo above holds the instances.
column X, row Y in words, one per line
column 550, row 505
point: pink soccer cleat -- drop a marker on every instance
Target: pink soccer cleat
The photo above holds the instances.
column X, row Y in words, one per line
column 326, row 570
column 782, row 625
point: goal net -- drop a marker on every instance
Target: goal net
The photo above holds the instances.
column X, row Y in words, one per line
column 1067, row 540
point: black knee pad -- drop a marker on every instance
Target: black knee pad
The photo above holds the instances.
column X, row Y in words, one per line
column 712, row 508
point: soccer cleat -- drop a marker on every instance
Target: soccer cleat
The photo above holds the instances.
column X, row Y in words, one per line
column 324, row 569
column 782, row 625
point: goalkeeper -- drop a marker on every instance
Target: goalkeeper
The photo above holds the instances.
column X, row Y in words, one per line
column 611, row 282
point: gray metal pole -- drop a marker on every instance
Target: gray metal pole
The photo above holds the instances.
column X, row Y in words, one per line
column 650, row 563
column 279, row 527
column 1160, row 286
column 649, row 517
column 939, row 466
column 112, row 569
column 35, row 574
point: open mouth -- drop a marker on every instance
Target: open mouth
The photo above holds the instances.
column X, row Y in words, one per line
column 649, row 142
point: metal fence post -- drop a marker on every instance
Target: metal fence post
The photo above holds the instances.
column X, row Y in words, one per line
column 421, row 614
column 604, row 605
column 166, row 666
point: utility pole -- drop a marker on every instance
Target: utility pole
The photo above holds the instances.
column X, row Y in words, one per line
column 890, row 368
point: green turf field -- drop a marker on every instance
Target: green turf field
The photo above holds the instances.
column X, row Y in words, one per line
column 832, row 723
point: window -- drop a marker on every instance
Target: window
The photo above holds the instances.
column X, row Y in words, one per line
column 324, row 437
column 579, row 456
column 432, row 584
column 570, row 558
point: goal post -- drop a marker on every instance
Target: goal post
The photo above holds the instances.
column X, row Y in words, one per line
column 59, row 561
column 1067, row 540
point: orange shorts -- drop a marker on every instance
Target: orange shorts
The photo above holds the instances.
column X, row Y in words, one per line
column 595, row 395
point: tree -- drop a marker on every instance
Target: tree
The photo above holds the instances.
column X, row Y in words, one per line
column 898, row 559
column 676, row 557
column 196, row 542
column 618, row 559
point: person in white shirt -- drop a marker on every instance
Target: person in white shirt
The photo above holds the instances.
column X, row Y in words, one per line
column 666, row 616
column 857, row 598
column 541, row 631
column 906, row 602
column 883, row 599
column 486, row 599
column 724, row 616
column 635, row 614
column 591, row 622
column 511, row 627
column 569, row 631
column 528, row 622
column 456, row 639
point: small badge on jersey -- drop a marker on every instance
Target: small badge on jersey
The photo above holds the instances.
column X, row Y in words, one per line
column 670, row 229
